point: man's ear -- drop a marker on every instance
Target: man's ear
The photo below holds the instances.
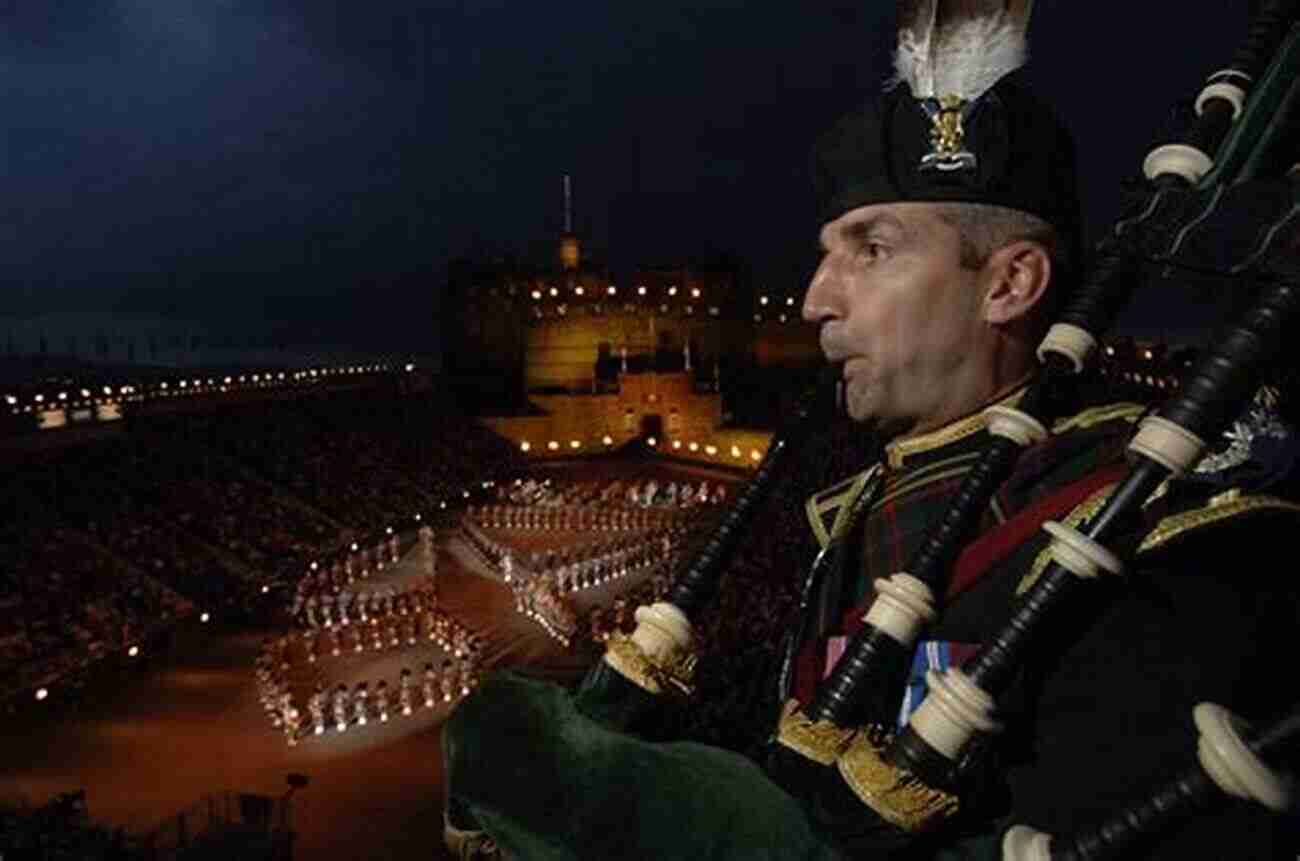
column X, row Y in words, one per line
column 1018, row 274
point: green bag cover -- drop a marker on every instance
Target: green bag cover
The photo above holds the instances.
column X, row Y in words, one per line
column 549, row 783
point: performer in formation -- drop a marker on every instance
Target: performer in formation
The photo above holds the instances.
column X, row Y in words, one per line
column 341, row 707
column 949, row 226
column 316, row 708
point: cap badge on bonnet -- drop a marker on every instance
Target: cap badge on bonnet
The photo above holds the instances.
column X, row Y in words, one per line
column 949, row 54
column 947, row 135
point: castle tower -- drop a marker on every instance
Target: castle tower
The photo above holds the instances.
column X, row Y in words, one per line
column 570, row 249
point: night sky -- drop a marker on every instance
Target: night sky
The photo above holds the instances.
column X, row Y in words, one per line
column 317, row 162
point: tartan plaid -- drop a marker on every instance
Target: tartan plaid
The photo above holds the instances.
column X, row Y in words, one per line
column 914, row 496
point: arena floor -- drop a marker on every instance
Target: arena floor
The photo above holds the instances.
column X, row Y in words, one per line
column 152, row 742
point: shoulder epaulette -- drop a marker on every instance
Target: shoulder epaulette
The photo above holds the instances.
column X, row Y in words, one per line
column 1229, row 504
column 1224, row 506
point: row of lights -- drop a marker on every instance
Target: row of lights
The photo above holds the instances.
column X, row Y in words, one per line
column 1149, row 380
column 1146, row 353
column 694, row 447
column 554, row 445
column 174, row 388
column 562, row 310
column 642, row 290
column 611, row 290
column 133, row 651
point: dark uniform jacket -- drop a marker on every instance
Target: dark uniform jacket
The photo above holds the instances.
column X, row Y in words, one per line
column 1206, row 611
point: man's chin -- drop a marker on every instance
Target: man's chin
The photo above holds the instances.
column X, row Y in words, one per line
column 868, row 417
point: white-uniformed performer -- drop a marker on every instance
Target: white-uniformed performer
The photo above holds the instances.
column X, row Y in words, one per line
column 381, row 700
column 316, row 709
column 309, row 643
column 430, row 686
column 292, row 723
column 341, row 707
column 404, row 691
column 360, row 697
column 446, row 681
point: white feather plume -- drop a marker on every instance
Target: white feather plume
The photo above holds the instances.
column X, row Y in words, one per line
column 962, row 57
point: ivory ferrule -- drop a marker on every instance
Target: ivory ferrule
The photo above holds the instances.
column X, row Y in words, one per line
column 1022, row 843
column 1180, row 159
column 662, row 632
column 952, row 713
column 1230, row 93
column 1013, row 424
column 1167, row 443
column 657, row 656
column 1232, row 765
column 1079, row 554
column 1069, row 341
column 903, row 605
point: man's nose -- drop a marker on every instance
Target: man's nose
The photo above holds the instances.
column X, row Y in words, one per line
column 819, row 302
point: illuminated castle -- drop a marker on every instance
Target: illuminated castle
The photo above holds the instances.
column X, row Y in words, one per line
column 609, row 362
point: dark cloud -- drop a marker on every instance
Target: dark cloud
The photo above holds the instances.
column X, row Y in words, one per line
column 242, row 154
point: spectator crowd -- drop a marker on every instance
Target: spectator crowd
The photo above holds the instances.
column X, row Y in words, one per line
column 103, row 543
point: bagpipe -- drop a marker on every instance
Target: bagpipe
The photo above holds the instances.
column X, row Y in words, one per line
column 1224, row 199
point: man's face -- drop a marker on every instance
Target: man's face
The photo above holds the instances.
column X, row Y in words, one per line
column 901, row 313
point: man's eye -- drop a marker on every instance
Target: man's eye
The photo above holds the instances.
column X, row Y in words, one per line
column 871, row 252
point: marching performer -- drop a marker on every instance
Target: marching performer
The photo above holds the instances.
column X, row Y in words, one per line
column 446, row 681
column 309, row 642
column 430, row 685
column 292, row 724
column 404, row 692
column 341, row 707
column 360, row 704
column 316, row 709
